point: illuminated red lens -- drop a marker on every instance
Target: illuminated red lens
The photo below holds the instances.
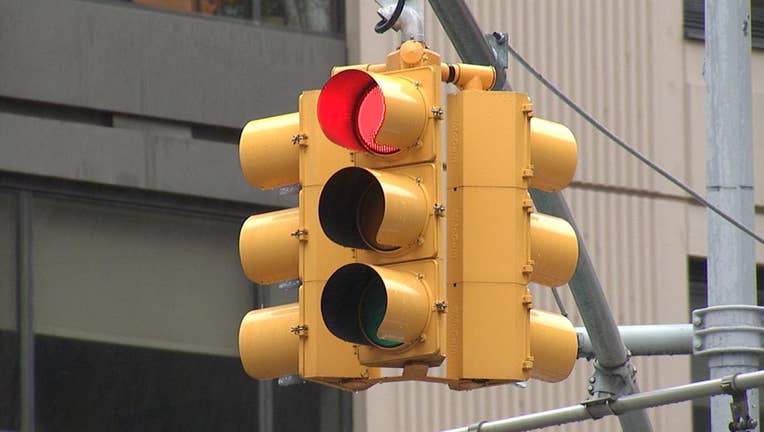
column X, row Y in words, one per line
column 336, row 107
column 370, row 114
column 351, row 110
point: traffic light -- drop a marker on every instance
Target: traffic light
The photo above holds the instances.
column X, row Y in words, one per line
column 388, row 209
column 289, row 244
column 497, row 244
column 367, row 240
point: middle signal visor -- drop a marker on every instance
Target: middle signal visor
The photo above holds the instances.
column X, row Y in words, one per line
column 374, row 210
column 370, row 112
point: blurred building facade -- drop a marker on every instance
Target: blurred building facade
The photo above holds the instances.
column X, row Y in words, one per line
column 638, row 67
column 121, row 200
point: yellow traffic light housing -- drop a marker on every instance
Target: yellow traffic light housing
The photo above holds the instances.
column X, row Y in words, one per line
column 288, row 244
column 367, row 238
column 387, row 208
column 497, row 244
column 267, row 347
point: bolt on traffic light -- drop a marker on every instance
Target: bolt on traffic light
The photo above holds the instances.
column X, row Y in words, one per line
column 387, row 208
column 289, row 244
column 497, row 244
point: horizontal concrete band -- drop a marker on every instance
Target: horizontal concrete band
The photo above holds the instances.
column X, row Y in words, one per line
column 123, row 58
column 129, row 158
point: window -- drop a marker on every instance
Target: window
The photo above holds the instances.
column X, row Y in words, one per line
column 137, row 301
column 9, row 335
column 694, row 21
column 701, row 410
column 315, row 15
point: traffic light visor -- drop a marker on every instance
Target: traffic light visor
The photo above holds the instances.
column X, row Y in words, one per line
column 267, row 247
column 370, row 112
column 267, row 346
column 268, row 156
column 371, row 305
column 375, row 210
column 554, row 346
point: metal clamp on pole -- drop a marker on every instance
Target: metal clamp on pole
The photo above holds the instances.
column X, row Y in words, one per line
column 609, row 382
column 476, row 427
column 598, row 408
column 741, row 420
column 711, row 324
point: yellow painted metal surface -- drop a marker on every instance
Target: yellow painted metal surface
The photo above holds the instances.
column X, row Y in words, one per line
column 554, row 250
column 395, row 203
column 397, row 211
column 405, row 111
column 323, row 357
column 481, row 129
column 267, row 247
column 469, row 76
column 554, row 346
column 267, row 154
column 408, row 305
column 420, row 83
column 488, row 340
column 413, row 288
column 267, row 347
column 496, row 244
column 554, row 154
column 319, row 158
column 488, row 238
column 293, row 339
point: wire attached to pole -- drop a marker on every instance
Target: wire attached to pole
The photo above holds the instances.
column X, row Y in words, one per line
column 634, row 152
column 387, row 23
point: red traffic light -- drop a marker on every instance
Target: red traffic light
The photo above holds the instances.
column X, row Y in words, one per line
column 377, row 113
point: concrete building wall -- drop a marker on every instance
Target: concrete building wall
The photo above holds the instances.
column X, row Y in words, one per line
column 121, row 201
column 629, row 65
column 140, row 98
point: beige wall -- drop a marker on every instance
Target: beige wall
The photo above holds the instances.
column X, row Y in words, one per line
column 627, row 63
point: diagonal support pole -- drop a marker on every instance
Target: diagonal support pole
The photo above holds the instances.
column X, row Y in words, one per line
column 614, row 373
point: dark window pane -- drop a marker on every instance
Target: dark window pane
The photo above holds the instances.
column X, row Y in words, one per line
column 315, row 15
column 694, row 21
column 91, row 386
column 138, row 276
column 9, row 336
column 9, row 380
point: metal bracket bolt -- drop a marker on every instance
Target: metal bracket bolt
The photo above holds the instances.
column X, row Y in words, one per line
column 299, row 330
column 301, row 234
column 439, row 210
column 300, row 139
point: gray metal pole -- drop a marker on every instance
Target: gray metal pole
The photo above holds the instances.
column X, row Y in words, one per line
column 597, row 409
column 729, row 185
column 463, row 31
column 645, row 340
column 614, row 374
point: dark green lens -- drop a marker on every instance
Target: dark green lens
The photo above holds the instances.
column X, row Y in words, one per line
column 372, row 311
